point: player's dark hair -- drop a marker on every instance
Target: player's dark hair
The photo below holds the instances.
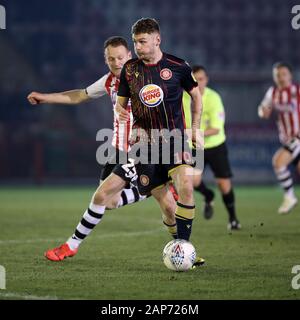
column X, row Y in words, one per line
column 115, row 42
column 145, row 25
column 198, row 68
column 282, row 64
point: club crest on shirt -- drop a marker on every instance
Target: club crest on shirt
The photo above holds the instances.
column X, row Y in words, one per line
column 151, row 95
column 144, row 180
column 166, row 74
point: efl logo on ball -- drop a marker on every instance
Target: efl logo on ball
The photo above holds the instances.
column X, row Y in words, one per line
column 151, row 95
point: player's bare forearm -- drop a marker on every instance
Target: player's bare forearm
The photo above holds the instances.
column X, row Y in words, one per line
column 68, row 97
column 196, row 111
column 120, row 108
column 74, row 96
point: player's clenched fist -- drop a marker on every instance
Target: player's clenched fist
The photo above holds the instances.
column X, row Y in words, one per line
column 36, row 98
column 264, row 112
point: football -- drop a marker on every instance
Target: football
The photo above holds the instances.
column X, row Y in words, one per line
column 179, row 255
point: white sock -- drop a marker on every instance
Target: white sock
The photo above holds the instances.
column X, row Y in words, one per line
column 92, row 216
column 290, row 193
column 129, row 196
column 285, row 180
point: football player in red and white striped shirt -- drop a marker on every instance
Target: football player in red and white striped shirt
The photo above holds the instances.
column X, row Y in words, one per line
column 284, row 99
column 116, row 53
column 116, row 177
column 109, row 84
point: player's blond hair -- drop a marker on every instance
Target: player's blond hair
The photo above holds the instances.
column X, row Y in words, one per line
column 115, row 41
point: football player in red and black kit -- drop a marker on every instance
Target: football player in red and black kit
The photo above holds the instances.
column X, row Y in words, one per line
column 155, row 82
column 115, row 187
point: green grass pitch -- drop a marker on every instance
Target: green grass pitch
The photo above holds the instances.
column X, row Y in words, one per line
column 122, row 257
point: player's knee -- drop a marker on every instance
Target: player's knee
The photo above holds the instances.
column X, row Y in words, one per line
column 100, row 197
column 278, row 166
column 275, row 162
column 197, row 180
column 224, row 186
column 186, row 189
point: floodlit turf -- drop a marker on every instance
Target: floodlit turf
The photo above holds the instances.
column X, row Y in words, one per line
column 122, row 257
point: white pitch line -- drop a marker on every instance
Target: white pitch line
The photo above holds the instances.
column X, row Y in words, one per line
column 19, row 296
column 4, row 242
column 103, row 236
column 109, row 235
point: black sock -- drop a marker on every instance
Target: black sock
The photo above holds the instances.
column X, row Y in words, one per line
column 229, row 202
column 184, row 219
column 206, row 192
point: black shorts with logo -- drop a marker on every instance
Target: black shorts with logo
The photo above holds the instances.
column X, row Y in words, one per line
column 151, row 176
column 217, row 159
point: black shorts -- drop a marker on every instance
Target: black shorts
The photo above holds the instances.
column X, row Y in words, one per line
column 126, row 172
column 293, row 147
column 151, row 176
column 217, row 159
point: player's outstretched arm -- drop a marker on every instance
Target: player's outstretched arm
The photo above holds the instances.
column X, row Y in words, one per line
column 67, row 97
column 196, row 112
column 120, row 108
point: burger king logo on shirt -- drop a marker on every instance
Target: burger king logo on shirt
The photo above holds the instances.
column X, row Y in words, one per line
column 151, row 95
